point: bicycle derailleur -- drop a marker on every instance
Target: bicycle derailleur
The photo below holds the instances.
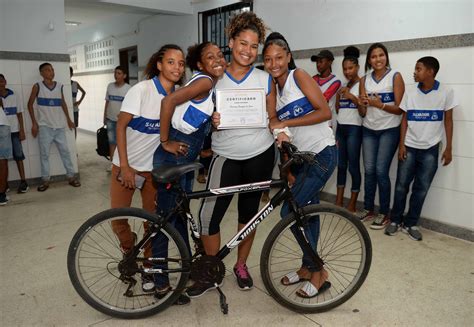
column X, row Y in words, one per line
column 209, row 269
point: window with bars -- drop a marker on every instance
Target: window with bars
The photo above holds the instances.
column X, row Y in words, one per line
column 214, row 23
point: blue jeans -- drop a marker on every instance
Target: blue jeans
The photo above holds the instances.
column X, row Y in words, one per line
column 378, row 148
column 349, row 141
column 166, row 199
column 17, row 149
column 111, row 131
column 310, row 180
column 46, row 136
column 5, row 142
column 419, row 165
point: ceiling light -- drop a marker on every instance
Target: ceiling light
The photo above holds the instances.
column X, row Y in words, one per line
column 71, row 23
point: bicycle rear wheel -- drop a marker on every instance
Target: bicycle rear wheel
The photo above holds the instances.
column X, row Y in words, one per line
column 344, row 246
column 96, row 266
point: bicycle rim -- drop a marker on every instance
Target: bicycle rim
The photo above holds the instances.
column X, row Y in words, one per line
column 93, row 265
column 344, row 246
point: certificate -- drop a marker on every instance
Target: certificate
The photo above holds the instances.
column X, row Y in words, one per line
column 241, row 108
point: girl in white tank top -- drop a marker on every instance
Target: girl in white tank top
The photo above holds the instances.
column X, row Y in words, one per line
column 303, row 110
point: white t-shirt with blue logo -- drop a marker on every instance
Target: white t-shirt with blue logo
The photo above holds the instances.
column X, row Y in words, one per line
column 143, row 101
column 48, row 104
column 243, row 143
column 425, row 114
column 375, row 118
column 11, row 107
column 189, row 116
column 115, row 95
column 292, row 103
column 348, row 113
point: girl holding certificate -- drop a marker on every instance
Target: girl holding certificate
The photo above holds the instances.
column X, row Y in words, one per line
column 184, row 123
column 310, row 132
column 241, row 155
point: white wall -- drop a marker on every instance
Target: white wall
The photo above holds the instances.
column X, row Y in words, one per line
column 24, row 26
column 339, row 22
column 27, row 31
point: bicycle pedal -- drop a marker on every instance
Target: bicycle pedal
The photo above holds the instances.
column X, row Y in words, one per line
column 222, row 300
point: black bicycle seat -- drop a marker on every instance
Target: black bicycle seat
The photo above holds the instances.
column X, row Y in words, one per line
column 169, row 174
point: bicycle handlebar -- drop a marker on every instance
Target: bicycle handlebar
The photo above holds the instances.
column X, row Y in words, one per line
column 296, row 156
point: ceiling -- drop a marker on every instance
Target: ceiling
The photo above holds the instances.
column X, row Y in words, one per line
column 91, row 12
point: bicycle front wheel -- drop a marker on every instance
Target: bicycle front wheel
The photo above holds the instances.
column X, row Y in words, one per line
column 344, row 246
column 103, row 279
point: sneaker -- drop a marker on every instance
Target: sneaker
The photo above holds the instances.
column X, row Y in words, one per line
column 413, row 232
column 380, row 221
column 244, row 280
column 365, row 215
column 392, row 229
column 3, row 199
column 148, row 285
column 198, row 289
column 23, row 188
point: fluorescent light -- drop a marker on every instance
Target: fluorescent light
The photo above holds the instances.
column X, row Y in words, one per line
column 71, row 23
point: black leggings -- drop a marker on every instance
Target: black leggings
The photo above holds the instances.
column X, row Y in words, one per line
column 227, row 172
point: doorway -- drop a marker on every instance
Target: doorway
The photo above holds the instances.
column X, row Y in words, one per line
column 129, row 61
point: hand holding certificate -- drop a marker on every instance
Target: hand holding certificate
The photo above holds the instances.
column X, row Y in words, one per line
column 241, row 108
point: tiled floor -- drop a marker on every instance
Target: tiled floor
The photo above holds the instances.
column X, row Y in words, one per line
column 428, row 283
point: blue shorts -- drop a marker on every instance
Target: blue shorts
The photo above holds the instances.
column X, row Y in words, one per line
column 17, row 149
column 111, row 131
column 5, row 142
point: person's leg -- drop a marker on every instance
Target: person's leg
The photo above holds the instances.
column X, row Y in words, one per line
column 354, row 142
column 387, row 147
column 64, row 153
column 5, row 154
column 256, row 169
column 370, row 148
column 76, row 122
column 45, row 138
column 19, row 156
column 112, row 136
column 426, row 167
column 405, row 175
column 121, row 197
column 342, row 146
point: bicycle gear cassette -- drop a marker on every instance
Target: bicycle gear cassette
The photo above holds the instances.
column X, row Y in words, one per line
column 207, row 269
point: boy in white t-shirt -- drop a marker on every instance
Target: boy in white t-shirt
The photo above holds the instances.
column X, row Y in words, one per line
column 427, row 114
column 116, row 92
column 5, row 153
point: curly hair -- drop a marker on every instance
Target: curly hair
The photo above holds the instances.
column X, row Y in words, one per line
column 246, row 21
column 151, row 70
column 351, row 53
column 195, row 53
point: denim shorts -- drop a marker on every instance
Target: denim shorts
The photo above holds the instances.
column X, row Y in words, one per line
column 17, row 148
column 5, row 142
column 111, row 131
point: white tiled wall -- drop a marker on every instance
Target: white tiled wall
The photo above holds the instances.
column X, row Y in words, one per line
column 21, row 76
column 451, row 197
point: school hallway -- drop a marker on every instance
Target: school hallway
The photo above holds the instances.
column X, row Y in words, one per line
column 428, row 283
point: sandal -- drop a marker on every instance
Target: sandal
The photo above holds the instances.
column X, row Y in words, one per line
column 74, row 182
column 309, row 291
column 43, row 187
column 292, row 278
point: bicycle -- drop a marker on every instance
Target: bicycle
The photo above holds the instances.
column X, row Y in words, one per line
column 106, row 277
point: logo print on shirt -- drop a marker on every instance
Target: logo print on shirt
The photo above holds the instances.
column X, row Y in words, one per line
column 51, row 102
column 386, row 98
column 434, row 116
column 297, row 110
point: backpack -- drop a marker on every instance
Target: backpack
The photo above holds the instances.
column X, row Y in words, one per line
column 103, row 143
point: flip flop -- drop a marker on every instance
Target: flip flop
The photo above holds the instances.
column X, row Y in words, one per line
column 43, row 187
column 74, row 182
column 309, row 291
column 293, row 278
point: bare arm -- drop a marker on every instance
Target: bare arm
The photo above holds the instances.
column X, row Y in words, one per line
column 19, row 116
column 448, row 127
column 198, row 88
column 70, row 124
column 363, row 98
column 31, row 101
column 128, row 173
column 398, row 91
column 402, row 150
column 83, row 94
